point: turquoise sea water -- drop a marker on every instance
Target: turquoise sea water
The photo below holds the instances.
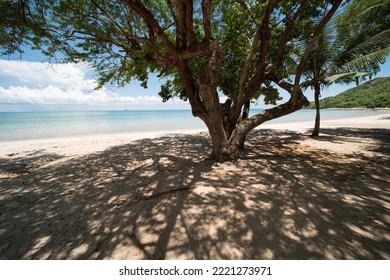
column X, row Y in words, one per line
column 35, row 125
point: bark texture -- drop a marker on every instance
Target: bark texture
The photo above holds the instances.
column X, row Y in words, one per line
column 317, row 93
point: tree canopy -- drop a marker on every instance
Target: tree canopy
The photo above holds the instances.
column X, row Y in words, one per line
column 242, row 49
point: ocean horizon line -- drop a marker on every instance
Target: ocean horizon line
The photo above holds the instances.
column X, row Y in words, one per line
column 53, row 124
column 179, row 109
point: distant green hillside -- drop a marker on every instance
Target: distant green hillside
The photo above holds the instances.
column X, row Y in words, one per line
column 372, row 94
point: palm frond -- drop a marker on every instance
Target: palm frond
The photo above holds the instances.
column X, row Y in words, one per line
column 376, row 42
column 372, row 5
column 363, row 61
column 333, row 78
column 306, row 84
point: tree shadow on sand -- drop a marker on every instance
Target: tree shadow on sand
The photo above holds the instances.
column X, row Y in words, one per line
column 162, row 199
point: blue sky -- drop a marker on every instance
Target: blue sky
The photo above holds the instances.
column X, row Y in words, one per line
column 28, row 84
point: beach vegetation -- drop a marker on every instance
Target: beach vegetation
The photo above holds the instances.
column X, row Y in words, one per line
column 349, row 51
column 201, row 49
column 371, row 94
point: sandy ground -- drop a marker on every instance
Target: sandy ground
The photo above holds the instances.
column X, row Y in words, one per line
column 290, row 196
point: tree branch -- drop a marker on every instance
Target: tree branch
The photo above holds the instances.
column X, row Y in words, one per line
column 247, row 89
column 314, row 37
column 206, row 10
column 190, row 22
column 286, row 34
column 246, row 5
column 170, row 7
column 282, row 83
column 196, row 49
column 138, row 7
column 246, row 67
column 181, row 38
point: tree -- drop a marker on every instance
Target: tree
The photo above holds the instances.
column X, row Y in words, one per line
column 347, row 51
column 321, row 70
column 191, row 43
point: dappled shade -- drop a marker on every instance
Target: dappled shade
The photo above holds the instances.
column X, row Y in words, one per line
column 163, row 199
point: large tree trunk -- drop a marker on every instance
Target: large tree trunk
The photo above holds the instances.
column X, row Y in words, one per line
column 227, row 148
column 218, row 121
column 219, row 138
column 317, row 93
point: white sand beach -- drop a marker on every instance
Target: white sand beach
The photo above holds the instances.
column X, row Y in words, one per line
column 82, row 145
column 79, row 145
column 154, row 196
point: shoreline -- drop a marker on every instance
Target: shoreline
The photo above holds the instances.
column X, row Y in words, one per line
column 354, row 108
column 377, row 121
column 82, row 145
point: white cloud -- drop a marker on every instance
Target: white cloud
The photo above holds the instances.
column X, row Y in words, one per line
column 55, row 95
column 43, row 74
column 59, row 84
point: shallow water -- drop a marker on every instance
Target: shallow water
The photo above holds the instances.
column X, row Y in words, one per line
column 35, row 125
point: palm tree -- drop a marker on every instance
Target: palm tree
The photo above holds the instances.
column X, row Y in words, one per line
column 322, row 70
column 344, row 54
